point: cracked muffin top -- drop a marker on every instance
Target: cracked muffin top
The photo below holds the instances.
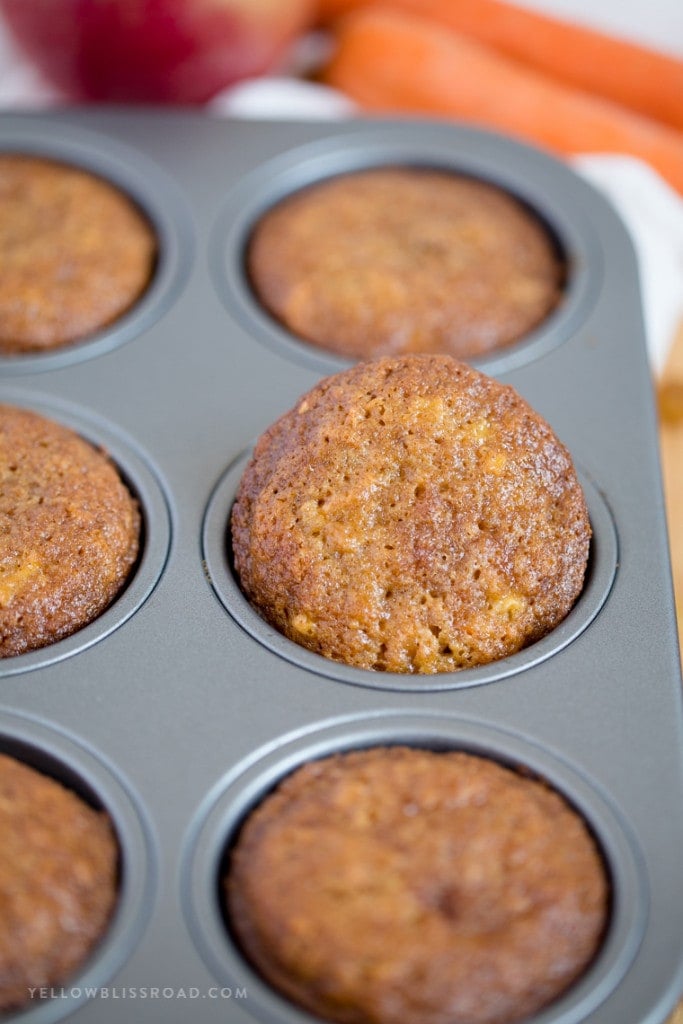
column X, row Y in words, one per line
column 405, row 259
column 411, row 515
column 396, row 884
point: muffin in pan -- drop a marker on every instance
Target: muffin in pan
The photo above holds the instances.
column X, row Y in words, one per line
column 58, row 881
column 411, row 515
column 405, row 259
column 76, row 254
column 398, row 884
column 69, row 531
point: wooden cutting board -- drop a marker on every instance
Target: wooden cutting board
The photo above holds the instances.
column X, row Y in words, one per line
column 671, row 433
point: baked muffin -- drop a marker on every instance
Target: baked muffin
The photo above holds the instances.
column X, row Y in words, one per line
column 396, row 884
column 411, row 515
column 58, row 881
column 395, row 260
column 69, row 531
column 76, row 253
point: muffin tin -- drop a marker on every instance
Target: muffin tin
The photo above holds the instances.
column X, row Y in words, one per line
column 179, row 708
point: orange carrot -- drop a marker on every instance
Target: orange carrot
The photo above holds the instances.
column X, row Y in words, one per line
column 393, row 62
column 329, row 10
column 632, row 75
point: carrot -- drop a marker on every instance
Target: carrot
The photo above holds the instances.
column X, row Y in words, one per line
column 393, row 62
column 634, row 76
column 329, row 10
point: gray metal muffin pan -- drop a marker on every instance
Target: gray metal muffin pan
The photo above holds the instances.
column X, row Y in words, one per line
column 178, row 709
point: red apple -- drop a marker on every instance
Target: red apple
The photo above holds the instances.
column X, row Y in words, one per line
column 156, row 51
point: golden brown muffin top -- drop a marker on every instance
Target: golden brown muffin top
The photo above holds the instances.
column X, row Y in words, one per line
column 394, row 260
column 396, row 884
column 411, row 515
column 69, row 531
column 58, row 878
column 75, row 254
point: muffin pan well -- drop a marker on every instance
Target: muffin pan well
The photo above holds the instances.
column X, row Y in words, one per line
column 600, row 572
column 153, row 193
column 290, row 172
column 155, row 532
column 420, row 259
column 218, row 822
column 53, row 752
column 179, row 708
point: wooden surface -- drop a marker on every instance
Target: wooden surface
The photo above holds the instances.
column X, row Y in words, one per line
column 671, row 408
column 671, row 432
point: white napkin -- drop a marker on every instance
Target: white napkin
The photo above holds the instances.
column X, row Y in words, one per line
column 653, row 213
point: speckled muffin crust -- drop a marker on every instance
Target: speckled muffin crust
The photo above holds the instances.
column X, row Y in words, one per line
column 69, row 531
column 395, row 260
column 58, row 881
column 397, row 885
column 411, row 515
column 75, row 252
